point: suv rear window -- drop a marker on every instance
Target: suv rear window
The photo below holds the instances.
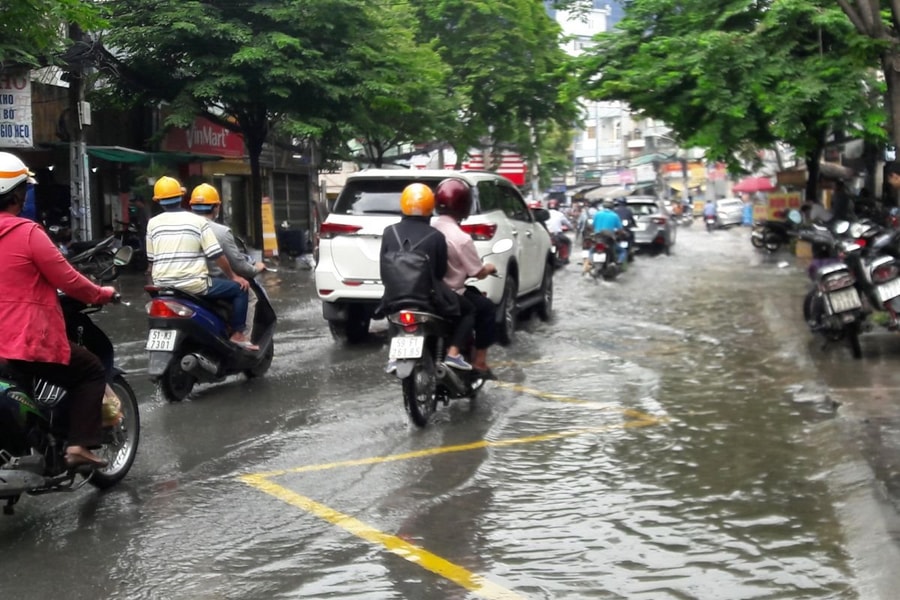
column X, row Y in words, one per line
column 374, row 196
column 643, row 209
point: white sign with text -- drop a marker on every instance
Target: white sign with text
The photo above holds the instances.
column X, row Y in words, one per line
column 15, row 110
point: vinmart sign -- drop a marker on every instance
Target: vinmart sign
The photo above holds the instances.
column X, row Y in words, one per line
column 205, row 137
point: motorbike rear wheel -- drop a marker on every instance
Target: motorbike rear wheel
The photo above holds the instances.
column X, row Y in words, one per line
column 420, row 390
column 120, row 442
column 771, row 242
column 175, row 383
column 263, row 365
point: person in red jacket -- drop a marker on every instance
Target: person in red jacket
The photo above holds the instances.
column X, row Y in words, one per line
column 33, row 336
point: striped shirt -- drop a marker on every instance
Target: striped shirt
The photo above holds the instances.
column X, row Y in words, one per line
column 178, row 244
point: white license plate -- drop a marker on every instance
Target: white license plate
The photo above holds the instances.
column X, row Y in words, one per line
column 599, row 257
column 844, row 300
column 406, row 347
column 585, row 254
column 623, row 244
column 889, row 290
column 162, row 340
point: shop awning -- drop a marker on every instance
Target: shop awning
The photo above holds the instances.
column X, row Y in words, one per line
column 649, row 158
column 118, row 154
column 609, row 191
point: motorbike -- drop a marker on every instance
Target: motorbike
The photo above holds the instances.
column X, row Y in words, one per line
column 712, row 222
column 188, row 340
column 561, row 247
column 604, row 261
column 130, row 235
column 33, row 424
column 418, row 345
column 772, row 235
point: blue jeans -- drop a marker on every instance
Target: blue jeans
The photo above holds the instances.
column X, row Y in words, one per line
column 229, row 290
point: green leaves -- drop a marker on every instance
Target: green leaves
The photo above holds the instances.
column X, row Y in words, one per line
column 34, row 32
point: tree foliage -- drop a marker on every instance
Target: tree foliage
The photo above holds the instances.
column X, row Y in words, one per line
column 34, row 33
column 734, row 77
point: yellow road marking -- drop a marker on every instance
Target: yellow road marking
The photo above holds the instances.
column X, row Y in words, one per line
column 549, row 396
column 414, row 554
column 410, row 552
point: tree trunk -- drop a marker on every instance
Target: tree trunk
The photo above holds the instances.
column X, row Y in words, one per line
column 890, row 63
column 250, row 218
column 812, row 172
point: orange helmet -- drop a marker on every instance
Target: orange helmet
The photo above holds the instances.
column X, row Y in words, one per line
column 167, row 190
column 417, row 199
column 205, row 196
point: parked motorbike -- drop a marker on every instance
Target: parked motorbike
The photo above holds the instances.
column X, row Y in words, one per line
column 130, row 235
column 772, row 235
column 604, row 260
column 418, row 345
column 188, row 340
column 32, row 424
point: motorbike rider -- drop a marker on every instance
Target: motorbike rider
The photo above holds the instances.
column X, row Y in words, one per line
column 453, row 202
column 608, row 222
column 33, row 337
column 555, row 225
column 178, row 246
column 415, row 230
column 627, row 215
column 205, row 202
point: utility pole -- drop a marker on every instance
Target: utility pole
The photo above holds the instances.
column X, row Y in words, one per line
column 535, row 165
column 79, row 186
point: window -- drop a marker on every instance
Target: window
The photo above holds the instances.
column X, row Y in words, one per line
column 373, row 196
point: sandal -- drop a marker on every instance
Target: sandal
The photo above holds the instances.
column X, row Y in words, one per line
column 81, row 458
column 246, row 345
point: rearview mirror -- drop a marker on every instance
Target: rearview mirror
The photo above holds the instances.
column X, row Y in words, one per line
column 540, row 214
column 841, row 227
column 501, row 246
column 795, row 217
column 123, row 256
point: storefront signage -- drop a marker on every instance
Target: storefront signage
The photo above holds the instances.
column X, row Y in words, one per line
column 205, row 137
column 15, row 110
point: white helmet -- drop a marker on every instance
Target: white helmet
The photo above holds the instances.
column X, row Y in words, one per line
column 12, row 172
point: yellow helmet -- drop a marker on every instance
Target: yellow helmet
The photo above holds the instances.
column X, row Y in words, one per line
column 205, row 195
column 166, row 189
column 417, row 199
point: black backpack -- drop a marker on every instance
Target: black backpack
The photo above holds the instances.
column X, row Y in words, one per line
column 407, row 274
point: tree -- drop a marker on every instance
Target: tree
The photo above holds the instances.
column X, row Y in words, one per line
column 507, row 69
column 733, row 78
column 880, row 22
column 300, row 67
column 33, row 33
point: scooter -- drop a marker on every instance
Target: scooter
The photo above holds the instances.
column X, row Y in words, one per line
column 560, row 248
column 712, row 222
column 188, row 340
column 772, row 235
column 603, row 261
column 418, row 345
column 32, row 424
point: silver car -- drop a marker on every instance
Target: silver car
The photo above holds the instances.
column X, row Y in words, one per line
column 730, row 211
column 654, row 225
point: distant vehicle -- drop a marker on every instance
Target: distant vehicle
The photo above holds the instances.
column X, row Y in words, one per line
column 654, row 225
column 730, row 211
column 348, row 278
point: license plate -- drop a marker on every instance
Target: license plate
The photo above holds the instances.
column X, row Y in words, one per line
column 162, row 340
column 623, row 244
column 844, row 300
column 599, row 257
column 889, row 290
column 406, row 347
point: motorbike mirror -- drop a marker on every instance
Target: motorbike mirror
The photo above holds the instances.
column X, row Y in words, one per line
column 795, row 217
column 841, row 227
column 501, row 246
column 541, row 215
column 123, row 256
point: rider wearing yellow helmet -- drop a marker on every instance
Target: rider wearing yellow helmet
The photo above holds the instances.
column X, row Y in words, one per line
column 205, row 202
column 179, row 243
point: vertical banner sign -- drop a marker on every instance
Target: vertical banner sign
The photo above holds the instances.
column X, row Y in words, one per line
column 270, row 240
column 15, row 110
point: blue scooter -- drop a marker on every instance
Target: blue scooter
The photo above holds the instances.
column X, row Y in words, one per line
column 188, row 340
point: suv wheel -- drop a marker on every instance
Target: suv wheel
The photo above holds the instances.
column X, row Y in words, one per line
column 508, row 312
column 545, row 308
column 354, row 330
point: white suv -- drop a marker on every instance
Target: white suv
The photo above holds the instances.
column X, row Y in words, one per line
column 348, row 276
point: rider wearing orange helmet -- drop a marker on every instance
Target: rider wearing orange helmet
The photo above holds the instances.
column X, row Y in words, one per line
column 415, row 231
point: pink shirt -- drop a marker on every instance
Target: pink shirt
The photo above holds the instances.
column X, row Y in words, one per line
column 31, row 270
column 462, row 257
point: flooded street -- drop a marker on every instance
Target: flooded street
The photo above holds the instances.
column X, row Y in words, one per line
column 673, row 434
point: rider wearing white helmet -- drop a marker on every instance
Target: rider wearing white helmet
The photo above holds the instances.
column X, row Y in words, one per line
column 33, row 337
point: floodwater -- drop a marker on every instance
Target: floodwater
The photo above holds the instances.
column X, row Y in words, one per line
column 668, row 435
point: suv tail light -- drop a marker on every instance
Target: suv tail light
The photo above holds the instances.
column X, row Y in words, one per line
column 480, row 232
column 331, row 230
column 659, row 220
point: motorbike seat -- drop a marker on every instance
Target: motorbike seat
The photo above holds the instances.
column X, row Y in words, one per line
column 220, row 306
